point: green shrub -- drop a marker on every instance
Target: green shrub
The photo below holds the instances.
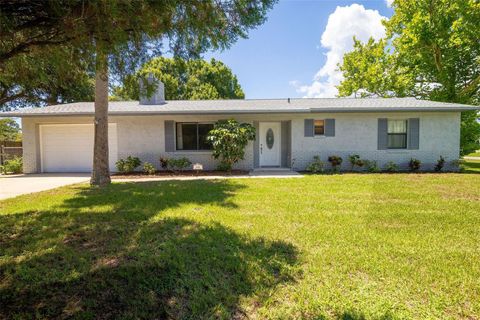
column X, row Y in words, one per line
column 148, row 168
column 164, row 163
column 128, row 165
column 179, row 164
column 224, row 167
column 229, row 139
column 414, row 164
column 391, row 166
column 440, row 164
column 14, row 166
column 120, row 164
column 335, row 161
column 316, row 166
column 355, row 161
column 372, row 166
column 360, row 163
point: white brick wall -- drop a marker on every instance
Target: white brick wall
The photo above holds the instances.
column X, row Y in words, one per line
column 143, row 136
column 357, row 134
column 29, row 142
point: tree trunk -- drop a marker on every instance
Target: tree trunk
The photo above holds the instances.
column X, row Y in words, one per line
column 101, row 172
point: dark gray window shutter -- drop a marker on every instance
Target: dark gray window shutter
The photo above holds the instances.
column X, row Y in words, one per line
column 382, row 134
column 169, row 136
column 256, row 146
column 330, row 127
column 308, row 127
column 285, row 147
column 413, row 133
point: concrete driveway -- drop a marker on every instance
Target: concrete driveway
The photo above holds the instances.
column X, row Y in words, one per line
column 12, row 186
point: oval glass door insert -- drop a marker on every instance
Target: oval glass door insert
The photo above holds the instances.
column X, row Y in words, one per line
column 270, row 138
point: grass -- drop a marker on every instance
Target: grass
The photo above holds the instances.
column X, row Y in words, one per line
column 474, row 154
column 352, row 246
column 471, row 166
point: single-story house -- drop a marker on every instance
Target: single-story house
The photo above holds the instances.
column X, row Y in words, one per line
column 290, row 132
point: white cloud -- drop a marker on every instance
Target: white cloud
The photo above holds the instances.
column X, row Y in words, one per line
column 342, row 25
column 389, row 3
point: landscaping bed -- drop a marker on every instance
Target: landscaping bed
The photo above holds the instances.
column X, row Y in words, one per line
column 186, row 173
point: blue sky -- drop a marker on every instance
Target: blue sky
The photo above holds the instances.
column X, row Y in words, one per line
column 282, row 57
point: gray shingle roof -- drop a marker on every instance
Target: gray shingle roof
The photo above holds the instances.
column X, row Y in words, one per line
column 246, row 106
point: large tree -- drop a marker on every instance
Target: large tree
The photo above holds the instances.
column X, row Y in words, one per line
column 185, row 80
column 120, row 35
column 432, row 51
column 9, row 130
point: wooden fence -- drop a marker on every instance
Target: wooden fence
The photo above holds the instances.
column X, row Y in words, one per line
column 10, row 149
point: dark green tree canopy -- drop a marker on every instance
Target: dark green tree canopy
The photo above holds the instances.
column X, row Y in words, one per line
column 48, row 49
column 191, row 26
column 185, row 80
column 38, row 79
column 432, row 51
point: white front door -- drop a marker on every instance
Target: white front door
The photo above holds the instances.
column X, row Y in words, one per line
column 269, row 137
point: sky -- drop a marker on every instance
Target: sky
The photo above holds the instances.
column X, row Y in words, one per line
column 296, row 51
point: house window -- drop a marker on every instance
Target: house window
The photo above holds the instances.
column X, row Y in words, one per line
column 397, row 134
column 193, row 136
column 319, row 127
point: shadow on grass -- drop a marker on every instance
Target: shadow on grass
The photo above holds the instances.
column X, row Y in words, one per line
column 355, row 315
column 100, row 255
column 352, row 315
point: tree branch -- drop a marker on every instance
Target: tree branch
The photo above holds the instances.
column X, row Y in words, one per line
column 23, row 47
column 6, row 98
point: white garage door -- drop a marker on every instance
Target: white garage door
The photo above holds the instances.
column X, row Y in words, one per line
column 69, row 147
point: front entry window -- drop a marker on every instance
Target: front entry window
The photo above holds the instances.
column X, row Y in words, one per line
column 270, row 138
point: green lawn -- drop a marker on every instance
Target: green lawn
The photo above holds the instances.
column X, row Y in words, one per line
column 472, row 166
column 474, row 154
column 351, row 246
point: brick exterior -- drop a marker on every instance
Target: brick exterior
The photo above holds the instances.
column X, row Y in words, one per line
column 143, row 136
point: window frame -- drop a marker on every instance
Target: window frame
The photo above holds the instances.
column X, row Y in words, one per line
column 322, row 134
column 198, row 136
column 405, row 134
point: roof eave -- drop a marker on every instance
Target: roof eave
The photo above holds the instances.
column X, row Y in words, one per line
column 394, row 109
column 210, row 112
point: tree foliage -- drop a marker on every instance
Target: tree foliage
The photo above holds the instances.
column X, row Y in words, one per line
column 46, row 78
column 370, row 70
column 9, row 130
column 229, row 139
column 129, row 32
column 185, row 80
column 431, row 52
